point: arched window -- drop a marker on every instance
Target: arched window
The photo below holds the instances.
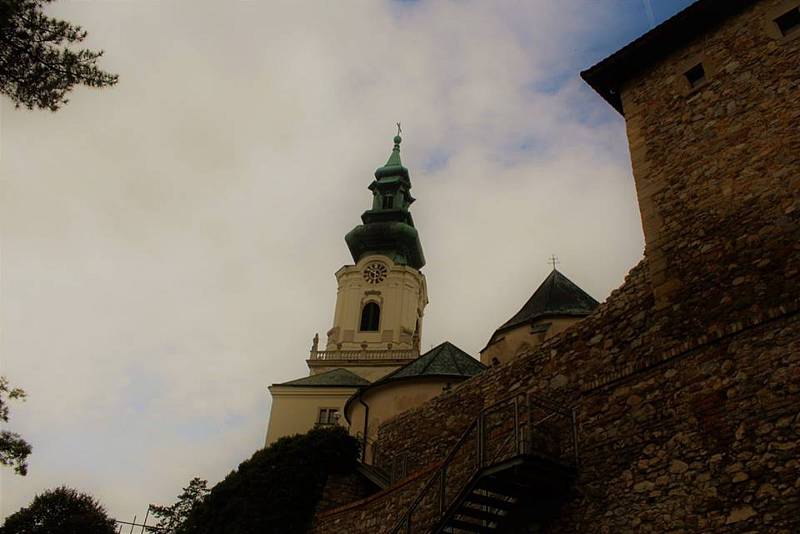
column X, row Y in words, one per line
column 370, row 317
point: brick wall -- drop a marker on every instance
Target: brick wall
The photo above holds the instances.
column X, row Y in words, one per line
column 686, row 380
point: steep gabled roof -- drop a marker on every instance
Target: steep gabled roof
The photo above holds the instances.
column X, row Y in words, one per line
column 557, row 295
column 334, row 378
column 443, row 360
column 607, row 76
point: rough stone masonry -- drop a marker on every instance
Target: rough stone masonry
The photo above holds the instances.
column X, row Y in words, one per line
column 686, row 381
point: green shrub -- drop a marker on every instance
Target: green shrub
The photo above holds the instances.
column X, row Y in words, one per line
column 276, row 490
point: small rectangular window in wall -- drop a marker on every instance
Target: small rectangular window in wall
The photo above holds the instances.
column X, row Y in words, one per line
column 696, row 76
column 789, row 22
column 388, row 202
column 327, row 417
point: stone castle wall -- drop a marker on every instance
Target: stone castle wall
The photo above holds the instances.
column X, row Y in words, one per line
column 716, row 170
column 342, row 489
column 686, row 381
column 375, row 513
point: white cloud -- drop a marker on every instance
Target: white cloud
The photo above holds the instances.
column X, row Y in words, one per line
column 169, row 244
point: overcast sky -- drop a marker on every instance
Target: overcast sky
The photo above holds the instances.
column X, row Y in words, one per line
column 169, row 244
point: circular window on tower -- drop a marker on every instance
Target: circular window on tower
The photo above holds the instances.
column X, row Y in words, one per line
column 375, row 272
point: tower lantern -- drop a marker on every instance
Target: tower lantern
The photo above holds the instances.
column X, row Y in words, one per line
column 388, row 228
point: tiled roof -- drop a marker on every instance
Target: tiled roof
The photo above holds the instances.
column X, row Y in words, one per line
column 607, row 76
column 443, row 360
column 334, row 378
column 557, row 295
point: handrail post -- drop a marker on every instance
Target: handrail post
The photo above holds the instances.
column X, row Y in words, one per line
column 442, row 488
column 530, row 421
column 575, row 435
column 516, row 426
column 480, row 440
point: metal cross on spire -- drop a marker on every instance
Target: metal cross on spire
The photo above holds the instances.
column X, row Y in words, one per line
column 553, row 261
column 399, row 130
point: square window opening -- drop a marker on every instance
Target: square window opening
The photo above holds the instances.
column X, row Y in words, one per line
column 327, row 416
column 696, row 76
column 789, row 22
column 388, row 202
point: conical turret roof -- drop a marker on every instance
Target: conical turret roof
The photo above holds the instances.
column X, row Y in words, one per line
column 557, row 295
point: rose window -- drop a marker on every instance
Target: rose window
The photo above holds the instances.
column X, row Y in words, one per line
column 375, row 273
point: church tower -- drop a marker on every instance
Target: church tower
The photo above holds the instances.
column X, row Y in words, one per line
column 381, row 298
column 377, row 322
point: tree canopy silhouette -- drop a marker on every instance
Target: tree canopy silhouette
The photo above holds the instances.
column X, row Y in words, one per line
column 14, row 450
column 39, row 64
column 60, row 511
column 171, row 518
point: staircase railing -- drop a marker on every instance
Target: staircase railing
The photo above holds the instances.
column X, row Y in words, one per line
column 518, row 425
column 392, row 467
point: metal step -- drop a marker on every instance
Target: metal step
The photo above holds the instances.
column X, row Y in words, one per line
column 470, row 527
column 492, row 502
column 480, row 515
column 501, row 487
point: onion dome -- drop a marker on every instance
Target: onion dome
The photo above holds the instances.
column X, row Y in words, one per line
column 388, row 228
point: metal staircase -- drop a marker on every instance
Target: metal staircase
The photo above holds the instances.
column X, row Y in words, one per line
column 519, row 456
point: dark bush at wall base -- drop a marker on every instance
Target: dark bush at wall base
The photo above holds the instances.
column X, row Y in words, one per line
column 277, row 489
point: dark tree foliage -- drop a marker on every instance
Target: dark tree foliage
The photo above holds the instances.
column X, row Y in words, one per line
column 14, row 450
column 171, row 518
column 60, row 511
column 277, row 489
column 38, row 61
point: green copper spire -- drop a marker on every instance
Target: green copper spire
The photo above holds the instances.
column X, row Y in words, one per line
column 393, row 165
column 388, row 228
